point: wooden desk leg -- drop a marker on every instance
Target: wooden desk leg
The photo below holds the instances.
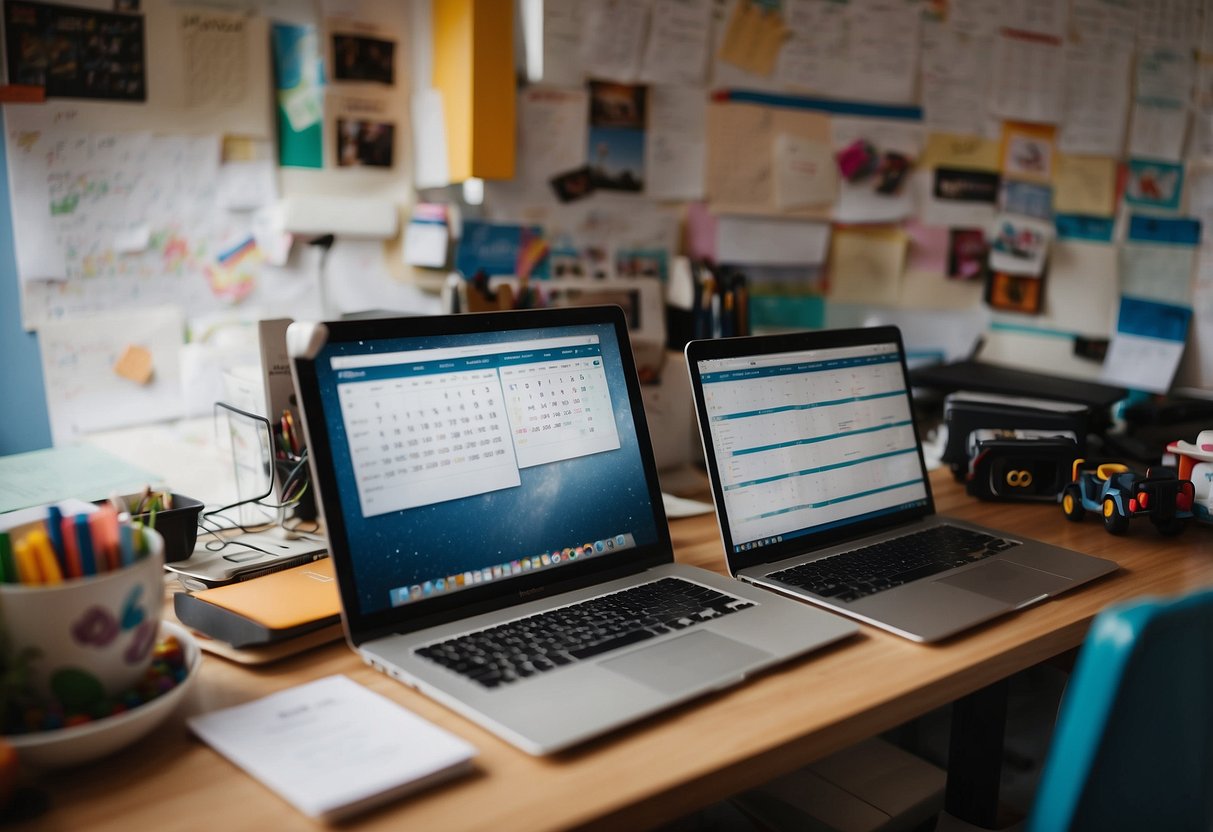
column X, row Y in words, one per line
column 975, row 755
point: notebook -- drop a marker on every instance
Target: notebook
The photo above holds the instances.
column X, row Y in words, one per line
column 494, row 518
column 822, row 493
column 333, row 748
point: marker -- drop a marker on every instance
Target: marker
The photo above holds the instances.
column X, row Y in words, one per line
column 27, row 566
column 44, row 557
column 104, row 526
column 8, row 569
column 54, row 530
column 84, row 541
column 71, row 549
column 126, row 540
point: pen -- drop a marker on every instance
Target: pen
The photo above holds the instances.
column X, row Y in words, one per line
column 8, row 570
column 292, row 436
column 54, row 530
column 84, row 543
column 126, row 540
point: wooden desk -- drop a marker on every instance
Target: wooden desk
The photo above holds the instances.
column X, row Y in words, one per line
column 668, row 765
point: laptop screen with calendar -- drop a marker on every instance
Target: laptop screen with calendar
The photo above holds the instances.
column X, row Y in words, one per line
column 463, row 461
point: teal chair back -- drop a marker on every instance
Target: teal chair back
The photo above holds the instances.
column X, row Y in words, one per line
column 1133, row 748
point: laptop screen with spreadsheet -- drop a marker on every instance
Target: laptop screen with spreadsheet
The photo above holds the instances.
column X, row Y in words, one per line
column 809, row 443
column 466, row 460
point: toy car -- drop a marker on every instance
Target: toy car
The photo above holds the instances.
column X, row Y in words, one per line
column 1196, row 464
column 1119, row 494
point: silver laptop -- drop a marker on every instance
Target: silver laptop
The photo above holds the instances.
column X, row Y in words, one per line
column 821, row 491
column 489, row 493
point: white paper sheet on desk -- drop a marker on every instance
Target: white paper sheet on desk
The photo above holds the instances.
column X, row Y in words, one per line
column 677, row 47
column 72, row 471
column 332, row 747
column 675, row 148
column 84, row 394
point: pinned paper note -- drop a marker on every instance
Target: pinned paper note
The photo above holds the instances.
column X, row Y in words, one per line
column 866, row 264
column 753, row 38
column 1085, row 185
column 949, row 150
column 135, row 364
column 805, row 172
column 1148, row 344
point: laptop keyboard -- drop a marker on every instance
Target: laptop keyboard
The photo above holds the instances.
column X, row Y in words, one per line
column 548, row 640
column 851, row 575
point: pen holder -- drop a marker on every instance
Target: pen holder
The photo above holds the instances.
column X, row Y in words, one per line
column 82, row 643
column 177, row 525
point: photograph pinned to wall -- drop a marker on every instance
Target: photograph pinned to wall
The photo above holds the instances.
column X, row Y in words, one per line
column 365, row 143
column 573, row 185
column 75, row 53
column 967, row 253
column 874, row 158
column 1015, row 293
column 1027, row 151
column 1020, row 245
column 359, row 57
column 1153, row 184
column 1026, row 198
column 617, row 105
column 615, row 147
column 616, row 156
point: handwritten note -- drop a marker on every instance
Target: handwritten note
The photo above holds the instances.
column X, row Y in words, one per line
column 1029, row 76
column 678, row 43
column 675, row 148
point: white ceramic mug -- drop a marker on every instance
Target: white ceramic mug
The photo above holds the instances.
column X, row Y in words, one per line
column 86, row 639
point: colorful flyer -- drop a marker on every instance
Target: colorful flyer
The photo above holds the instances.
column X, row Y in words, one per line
column 300, row 93
column 1027, row 151
column 1154, row 184
column 1020, row 245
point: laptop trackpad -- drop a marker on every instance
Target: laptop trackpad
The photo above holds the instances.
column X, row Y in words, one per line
column 687, row 662
column 1007, row 582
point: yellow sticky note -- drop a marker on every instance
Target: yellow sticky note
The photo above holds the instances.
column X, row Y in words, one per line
column 1084, row 185
column 135, row 364
column 866, row 264
column 753, row 38
column 951, row 150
